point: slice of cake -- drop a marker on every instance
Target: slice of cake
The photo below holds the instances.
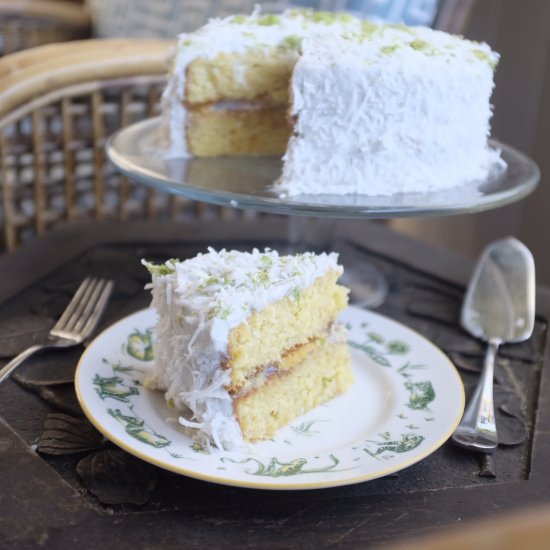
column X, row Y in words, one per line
column 354, row 106
column 248, row 341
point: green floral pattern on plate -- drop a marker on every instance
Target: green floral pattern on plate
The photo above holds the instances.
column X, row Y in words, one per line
column 136, row 428
column 404, row 404
column 139, row 345
column 421, row 393
column 276, row 468
column 113, row 387
column 306, row 428
column 118, row 388
column 408, row 442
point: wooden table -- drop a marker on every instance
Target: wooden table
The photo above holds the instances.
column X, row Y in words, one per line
column 73, row 499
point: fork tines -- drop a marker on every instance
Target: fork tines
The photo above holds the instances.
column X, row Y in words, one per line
column 84, row 310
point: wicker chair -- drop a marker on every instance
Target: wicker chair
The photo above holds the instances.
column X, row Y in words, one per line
column 58, row 105
column 29, row 23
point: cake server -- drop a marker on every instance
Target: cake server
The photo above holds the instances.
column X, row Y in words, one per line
column 499, row 307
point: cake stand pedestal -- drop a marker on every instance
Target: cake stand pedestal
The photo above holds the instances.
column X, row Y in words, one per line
column 248, row 183
column 368, row 286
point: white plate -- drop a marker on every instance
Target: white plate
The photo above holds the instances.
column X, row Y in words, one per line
column 405, row 403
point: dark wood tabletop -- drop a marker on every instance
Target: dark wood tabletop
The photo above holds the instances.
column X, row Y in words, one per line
column 62, row 485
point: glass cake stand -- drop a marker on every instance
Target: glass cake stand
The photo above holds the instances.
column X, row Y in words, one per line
column 248, row 182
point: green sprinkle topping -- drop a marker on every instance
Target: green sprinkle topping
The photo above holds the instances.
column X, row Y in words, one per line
column 326, row 17
column 161, row 269
column 418, row 44
column 267, row 261
column 388, row 50
column 224, row 281
column 221, row 311
column 484, row 56
column 292, row 42
column 238, row 19
column 326, row 381
column 259, row 278
column 171, row 403
column 368, row 29
column 295, row 293
column 224, row 313
column 425, row 47
column 198, row 448
column 268, row 20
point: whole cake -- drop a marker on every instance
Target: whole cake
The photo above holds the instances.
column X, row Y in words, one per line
column 246, row 342
column 354, row 106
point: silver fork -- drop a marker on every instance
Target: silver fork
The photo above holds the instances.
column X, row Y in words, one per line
column 75, row 324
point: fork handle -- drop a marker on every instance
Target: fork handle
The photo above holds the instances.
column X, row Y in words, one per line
column 16, row 361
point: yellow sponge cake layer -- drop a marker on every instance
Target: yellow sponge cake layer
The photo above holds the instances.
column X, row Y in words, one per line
column 323, row 374
column 215, row 132
column 239, row 77
column 276, row 329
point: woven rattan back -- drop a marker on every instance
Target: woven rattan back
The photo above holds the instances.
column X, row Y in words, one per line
column 30, row 23
column 58, row 105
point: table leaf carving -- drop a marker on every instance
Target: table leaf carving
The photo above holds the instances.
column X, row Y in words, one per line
column 18, row 333
column 115, row 477
column 64, row 435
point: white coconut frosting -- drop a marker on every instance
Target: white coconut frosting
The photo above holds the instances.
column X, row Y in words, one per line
column 403, row 110
column 198, row 302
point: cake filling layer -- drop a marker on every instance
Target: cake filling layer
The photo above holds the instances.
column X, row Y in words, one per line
column 323, row 374
column 289, row 359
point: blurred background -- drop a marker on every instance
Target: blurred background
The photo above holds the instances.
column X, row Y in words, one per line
column 520, row 31
column 168, row 17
